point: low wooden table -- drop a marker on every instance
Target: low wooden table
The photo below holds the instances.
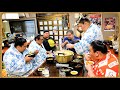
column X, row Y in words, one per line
column 53, row 71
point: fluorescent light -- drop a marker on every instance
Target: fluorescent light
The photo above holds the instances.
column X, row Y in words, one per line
column 5, row 21
column 10, row 16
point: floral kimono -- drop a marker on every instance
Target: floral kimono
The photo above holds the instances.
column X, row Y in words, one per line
column 15, row 63
column 107, row 67
column 92, row 33
column 40, row 57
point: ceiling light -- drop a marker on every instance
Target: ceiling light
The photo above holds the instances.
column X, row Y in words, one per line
column 10, row 16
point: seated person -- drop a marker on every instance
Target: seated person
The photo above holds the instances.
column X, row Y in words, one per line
column 105, row 63
column 48, row 41
column 37, row 46
column 6, row 43
column 15, row 61
column 70, row 38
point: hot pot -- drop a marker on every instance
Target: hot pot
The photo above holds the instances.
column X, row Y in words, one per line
column 64, row 56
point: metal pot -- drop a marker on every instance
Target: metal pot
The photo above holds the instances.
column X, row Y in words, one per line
column 64, row 56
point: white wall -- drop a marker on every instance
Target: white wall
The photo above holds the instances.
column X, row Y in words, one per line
column 72, row 20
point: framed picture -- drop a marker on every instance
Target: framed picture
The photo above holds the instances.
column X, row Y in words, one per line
column 55, row 22
column 60, row 32
column 50, row 22
column 50, row 27
column 60, row 22
column 56, row 37
column 51, row 32
column 40, row 23
column 41, row 32
column 95, row 18
column 45, row 22
column 109, row 24
column 41, row 28
column 60, row 28
column 46, row 27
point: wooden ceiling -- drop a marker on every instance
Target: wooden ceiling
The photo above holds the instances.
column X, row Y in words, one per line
column 50, row 15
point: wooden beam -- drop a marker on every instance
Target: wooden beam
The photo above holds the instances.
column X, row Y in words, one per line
column 119, row 41
column 1, row 43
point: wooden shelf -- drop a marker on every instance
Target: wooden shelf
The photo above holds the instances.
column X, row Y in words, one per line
column 61, row 31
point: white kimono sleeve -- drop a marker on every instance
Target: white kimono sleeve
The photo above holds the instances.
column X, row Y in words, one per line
column 16, row 66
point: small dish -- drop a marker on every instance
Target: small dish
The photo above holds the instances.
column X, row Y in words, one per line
column 31, row 55
column 79, row 57
column 74, row 72
column 89, row 62
column 41, row 69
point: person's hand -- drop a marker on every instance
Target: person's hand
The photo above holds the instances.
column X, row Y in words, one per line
column 36, row 52
column 90, row 70
column 87, row 56
column 66, row 42
column 88, row 67
column 48, row 52
column 56, row 44
column 70, row 46
column 27, row 59
column 91, row 74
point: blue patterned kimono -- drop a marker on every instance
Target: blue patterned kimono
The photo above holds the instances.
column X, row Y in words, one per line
column 15, row 63
column 40, row 57
column 92, row 33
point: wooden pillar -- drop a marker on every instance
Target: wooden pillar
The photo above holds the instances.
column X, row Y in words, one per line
column 1, row 43
column 119, row 42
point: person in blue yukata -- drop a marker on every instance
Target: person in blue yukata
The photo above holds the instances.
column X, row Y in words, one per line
column 91, row 32
column 70, row 38
column 36, row 46
column 16, row 62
